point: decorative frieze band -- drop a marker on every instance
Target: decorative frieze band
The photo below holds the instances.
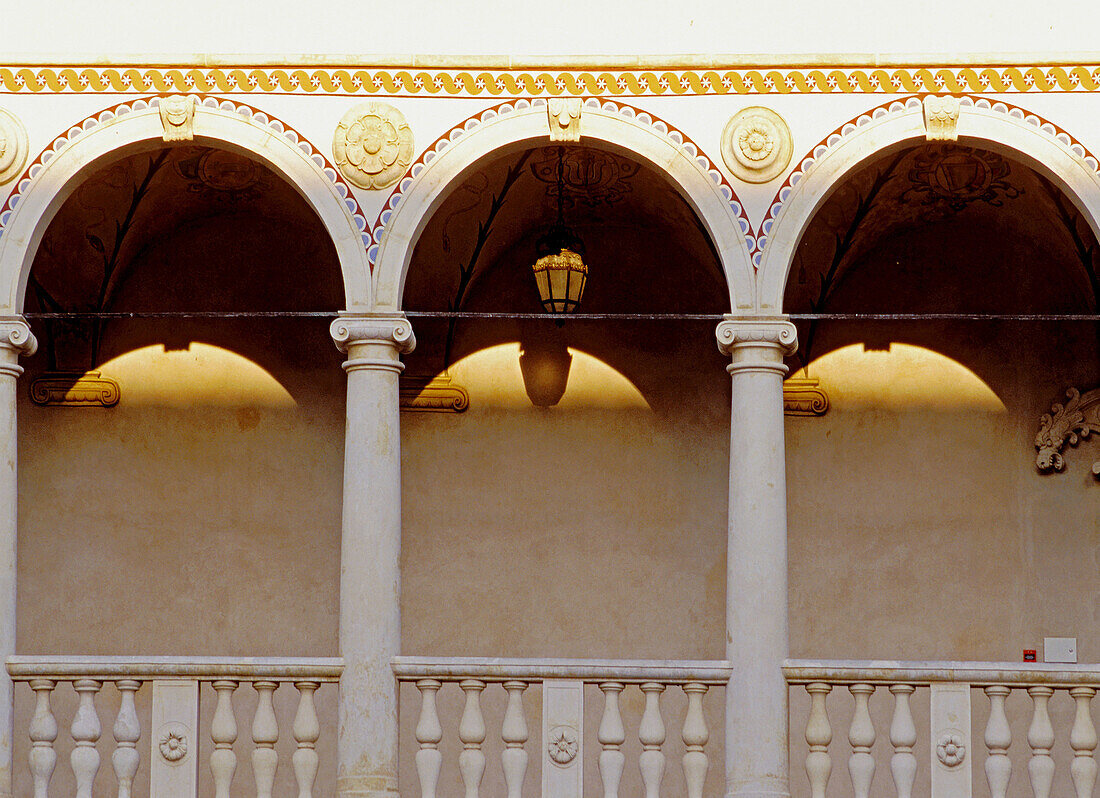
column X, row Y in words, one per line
column 840, row 79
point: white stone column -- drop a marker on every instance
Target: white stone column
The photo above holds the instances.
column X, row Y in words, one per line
column 370, row 579
column 15, row 340
column 757, row 759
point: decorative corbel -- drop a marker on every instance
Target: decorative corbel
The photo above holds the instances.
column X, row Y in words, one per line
column 804, row 396
column 941, row 118
column 564, row 116
column 1069, row 423
column 177, row 115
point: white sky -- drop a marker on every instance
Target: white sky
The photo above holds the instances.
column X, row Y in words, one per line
column 95, row 28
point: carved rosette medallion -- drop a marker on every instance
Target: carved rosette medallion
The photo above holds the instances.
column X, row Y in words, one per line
column 951, row 749
column 756, row 144
column 173, row 742
column 563, row 745
column 373, row 145
column 13, row 146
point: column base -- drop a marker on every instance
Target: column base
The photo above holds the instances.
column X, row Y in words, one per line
column 778, row 788
column 365, row 787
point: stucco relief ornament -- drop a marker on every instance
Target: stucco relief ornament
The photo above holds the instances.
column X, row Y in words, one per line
column 13, row 146
column 1065, row 424
column 373, row 145
column 756, row 144
column 951, row 750
column 564, row 116
column 177, row 117
column 941, row 118
column 563, row 745
column 173, row 745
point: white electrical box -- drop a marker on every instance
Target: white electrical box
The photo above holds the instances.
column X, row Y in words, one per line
column 1059, row 649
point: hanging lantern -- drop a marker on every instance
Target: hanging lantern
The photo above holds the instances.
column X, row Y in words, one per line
column 560, row 271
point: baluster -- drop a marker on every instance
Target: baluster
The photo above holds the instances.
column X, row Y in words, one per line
column 265, row 733
column 1082, row 739
column 514, row 734
column 471, row 731
column 223, row 731
column 127, row 732
column 42, row 757
column 429, row 732
column 651, row 732
column 818, row 736
column 85, row 731
column 998, row 737
column 861, row 736
column 1040, row 736
column 611, row 735
column 306, row 731
column 696, row 736
column 903, row 736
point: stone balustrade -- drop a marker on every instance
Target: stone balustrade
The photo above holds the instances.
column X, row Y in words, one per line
column 1017, row 741
column 559, row 743
column 173, row 740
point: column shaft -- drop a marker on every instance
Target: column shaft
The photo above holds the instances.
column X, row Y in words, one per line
column 15, row 339
column 370, row 579
column 757, row 759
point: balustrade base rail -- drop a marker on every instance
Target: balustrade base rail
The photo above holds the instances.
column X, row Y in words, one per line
column 161, row 733
column 593, row 716
column 959, row 702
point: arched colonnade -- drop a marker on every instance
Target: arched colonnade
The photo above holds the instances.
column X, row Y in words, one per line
column 373, row 332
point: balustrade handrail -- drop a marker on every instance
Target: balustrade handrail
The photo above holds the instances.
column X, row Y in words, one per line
column 24, row 668
column 500, row 669
column 978, row 674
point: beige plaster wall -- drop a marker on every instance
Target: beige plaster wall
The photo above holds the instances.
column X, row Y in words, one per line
column 914, row 533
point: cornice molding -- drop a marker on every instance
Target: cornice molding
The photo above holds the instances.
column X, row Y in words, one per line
column 580, row 61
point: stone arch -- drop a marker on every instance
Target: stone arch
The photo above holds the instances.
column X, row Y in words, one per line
column 135, row 126
column 513, row 127
column 995, row 126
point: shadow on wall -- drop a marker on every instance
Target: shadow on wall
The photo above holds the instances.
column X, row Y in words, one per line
column 201, row 375
column 898, row 378
column 544, row 374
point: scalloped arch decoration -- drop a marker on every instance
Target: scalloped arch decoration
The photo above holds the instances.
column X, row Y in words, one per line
column 901, row 106
column 471, row 123
column 93, row 121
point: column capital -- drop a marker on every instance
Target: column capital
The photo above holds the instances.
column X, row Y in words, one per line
column 757, row 343
column 16, row 339
column 373, row 328
column 373, row 340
